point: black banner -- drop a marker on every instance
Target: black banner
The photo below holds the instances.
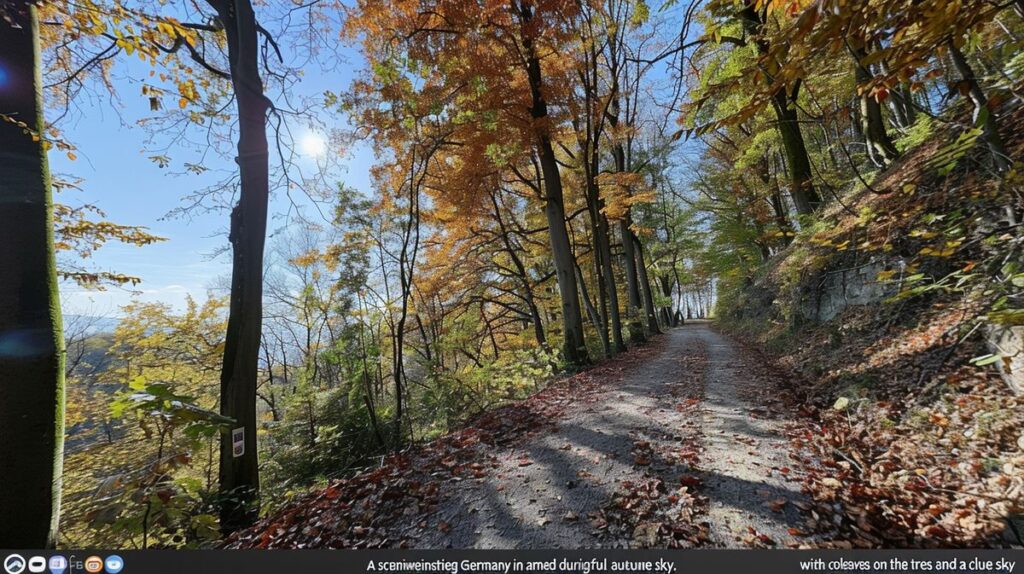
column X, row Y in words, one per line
column 511, row 561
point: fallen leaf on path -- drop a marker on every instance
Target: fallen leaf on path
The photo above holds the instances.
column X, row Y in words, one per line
column 689, row 480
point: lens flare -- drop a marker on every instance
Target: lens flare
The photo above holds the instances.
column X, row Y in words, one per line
column 313, row 145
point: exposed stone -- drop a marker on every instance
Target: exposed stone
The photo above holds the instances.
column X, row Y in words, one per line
column 842, row 288
column 1008, row 342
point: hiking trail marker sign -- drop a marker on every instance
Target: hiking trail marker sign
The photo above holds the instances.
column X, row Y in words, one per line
column 238, row 442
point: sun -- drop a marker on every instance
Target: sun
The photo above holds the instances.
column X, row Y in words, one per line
column 313, row 145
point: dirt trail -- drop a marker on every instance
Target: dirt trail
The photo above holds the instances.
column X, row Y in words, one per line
column 680, row 423
column 748, row 482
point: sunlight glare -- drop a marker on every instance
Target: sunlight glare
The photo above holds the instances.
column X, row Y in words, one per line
column 313, row 145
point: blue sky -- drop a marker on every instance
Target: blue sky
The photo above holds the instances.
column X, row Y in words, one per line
column 119, row 178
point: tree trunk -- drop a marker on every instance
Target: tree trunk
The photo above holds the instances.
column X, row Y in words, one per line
column 31, row 341
column 406, row 268
column 805, row 197
column 781, row 220
column 645, row 284
column 681, row 301
column 666, row 291
column 1000, row 156
column 990, row 125
column 239, row 475
column 590, row 152
column 635, row 304
column 881, row 150
column 574, row 345
column 775, row 199
column 608, row 271
column 602, row 292
column 900, row 102
column 603, row 253
column 636, row 330
column 595, row 317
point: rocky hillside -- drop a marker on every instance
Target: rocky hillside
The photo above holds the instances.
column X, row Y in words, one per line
column 899, row 313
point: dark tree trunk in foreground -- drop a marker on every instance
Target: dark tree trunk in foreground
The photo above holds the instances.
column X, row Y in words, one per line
column 561, row 253
column 611, row 288
column 636, row 331
column 590, row 152
column 574, row 346
column 31, row 341
column 603, row 256
column 239, row 473
column 631, row 261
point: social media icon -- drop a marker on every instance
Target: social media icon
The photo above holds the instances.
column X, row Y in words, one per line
column 37, row 564
column 14, row 564
column 58, row 564
column 113, row 564
column 94, row 565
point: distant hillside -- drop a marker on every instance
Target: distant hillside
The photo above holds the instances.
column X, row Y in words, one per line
column 92, row 324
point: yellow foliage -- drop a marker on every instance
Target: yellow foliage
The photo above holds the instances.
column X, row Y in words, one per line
column 621, row 191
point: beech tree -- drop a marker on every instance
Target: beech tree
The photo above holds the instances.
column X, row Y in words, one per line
column 590, row 117
column 881, row 149
column 239, row 471
column 783, row 101
column 554, row 201
column 32, row 350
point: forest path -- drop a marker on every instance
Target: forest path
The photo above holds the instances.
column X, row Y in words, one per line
column 619, row 468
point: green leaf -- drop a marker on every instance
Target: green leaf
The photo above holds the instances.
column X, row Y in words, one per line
column 985, row 360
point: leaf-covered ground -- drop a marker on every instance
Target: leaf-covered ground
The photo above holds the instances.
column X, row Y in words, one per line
column 670, row 445
column 908, row 442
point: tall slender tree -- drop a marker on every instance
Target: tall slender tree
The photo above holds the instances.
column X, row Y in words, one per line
column 574, row 345
column 239, row 471
column 31, row 342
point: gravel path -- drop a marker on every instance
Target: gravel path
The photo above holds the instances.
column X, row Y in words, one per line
column 677, row 418
column 750, row 488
